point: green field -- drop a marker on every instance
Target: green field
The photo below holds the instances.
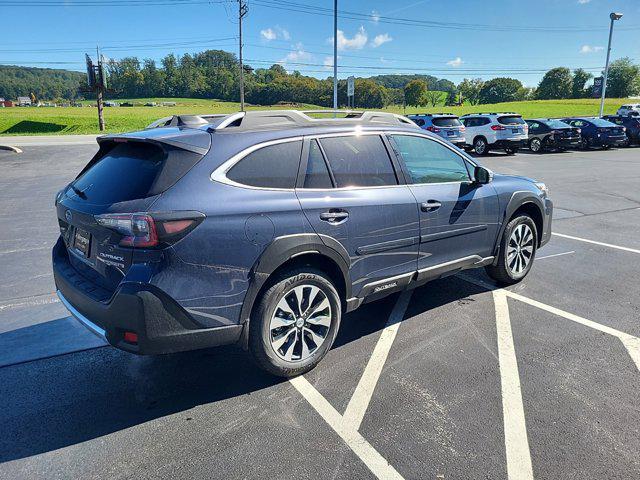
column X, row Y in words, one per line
column 83, row 120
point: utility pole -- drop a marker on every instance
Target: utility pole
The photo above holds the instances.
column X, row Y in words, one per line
column 613, row 16
column 100, row 86
column 335, row 54
column 242, row 11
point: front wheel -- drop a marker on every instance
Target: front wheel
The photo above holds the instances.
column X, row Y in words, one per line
column 535, row 145
column 295, row 323
column 517, row 251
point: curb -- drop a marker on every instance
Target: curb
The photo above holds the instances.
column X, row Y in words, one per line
column 10, row 148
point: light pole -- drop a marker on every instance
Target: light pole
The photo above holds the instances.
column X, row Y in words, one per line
column 613, row 16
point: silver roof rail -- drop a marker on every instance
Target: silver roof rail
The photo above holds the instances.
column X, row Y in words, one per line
column 185, row 120
column 256, row 119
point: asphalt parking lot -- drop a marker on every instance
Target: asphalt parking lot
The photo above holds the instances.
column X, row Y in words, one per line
column 457, row 379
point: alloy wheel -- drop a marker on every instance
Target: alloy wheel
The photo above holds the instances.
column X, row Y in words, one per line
column 300, row 323
column 535, row 145
column 520, row 249
column 480, row 146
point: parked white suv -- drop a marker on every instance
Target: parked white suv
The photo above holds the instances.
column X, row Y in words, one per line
column 486, row 131
column 630, row 109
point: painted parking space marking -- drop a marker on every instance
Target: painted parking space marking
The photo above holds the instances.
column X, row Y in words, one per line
column 359, row 402
column 515, row 428
column 586, row 240
column 555, row 255
column 347, row 425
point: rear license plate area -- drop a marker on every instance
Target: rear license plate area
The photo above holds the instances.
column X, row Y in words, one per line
column 515, row 130
column 450, row 133
column 82, row 241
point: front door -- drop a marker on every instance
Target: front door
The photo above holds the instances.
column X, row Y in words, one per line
column 351, row 193
column 458, row 217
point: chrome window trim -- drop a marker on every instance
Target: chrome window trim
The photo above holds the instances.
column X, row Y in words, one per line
column 220, row 173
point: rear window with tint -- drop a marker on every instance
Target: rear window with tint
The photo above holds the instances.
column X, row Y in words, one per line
column 133, row 170
column 446, row 122
column 557, row 124
column 598, row 122
column 511, row 120
column 274, row 166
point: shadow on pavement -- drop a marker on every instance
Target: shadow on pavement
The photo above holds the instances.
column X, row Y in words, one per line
column 65, row 400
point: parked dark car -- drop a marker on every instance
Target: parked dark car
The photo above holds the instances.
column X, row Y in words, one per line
column 262, row 228
column 630, row 123
column 597, row 132
column 446, row 125
column 552, row 134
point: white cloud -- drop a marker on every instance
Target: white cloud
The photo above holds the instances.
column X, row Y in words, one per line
column 456, row 62
column 582, row 2
column 590, row 49
column 380, row 39
column 328, row 62
column 275, row 33
column 357, row 42
column 268, row 34
column 375, row 16
column 297, row 55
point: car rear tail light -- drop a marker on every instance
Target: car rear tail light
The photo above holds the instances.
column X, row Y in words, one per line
column 130, row 337
column 433, row 129
column 498, row 127
column 144, row 230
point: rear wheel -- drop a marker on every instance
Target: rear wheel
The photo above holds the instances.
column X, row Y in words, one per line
column 295, row 323
column 517, row 251
column 535, row 145
column 480, row 146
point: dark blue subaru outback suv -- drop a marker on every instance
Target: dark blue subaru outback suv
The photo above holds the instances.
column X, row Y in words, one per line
column 263, row 227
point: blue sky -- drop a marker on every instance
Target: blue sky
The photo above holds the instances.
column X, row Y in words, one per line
column 449, row 39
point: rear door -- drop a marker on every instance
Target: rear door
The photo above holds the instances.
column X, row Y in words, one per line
column 351, row 192
column 458, row 218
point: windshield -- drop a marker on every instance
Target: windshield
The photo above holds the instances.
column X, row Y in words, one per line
column 556, row 124
column 599, row 122
column 511, row 120
column 447, row 122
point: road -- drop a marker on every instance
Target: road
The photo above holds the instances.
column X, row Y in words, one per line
column 456, row 379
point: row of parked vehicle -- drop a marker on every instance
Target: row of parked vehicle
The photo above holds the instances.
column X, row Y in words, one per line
column 508, row 131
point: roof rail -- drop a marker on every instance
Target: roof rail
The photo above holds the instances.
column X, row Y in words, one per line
column 430, row 114
column 256, row 119
column 185, row 120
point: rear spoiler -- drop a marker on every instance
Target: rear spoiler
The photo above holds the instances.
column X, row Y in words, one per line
column 195, row 141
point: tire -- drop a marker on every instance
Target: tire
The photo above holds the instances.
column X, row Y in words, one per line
column 480, row 146
column 511, row 151
column 507, row 270
column 535, row 145
column 285, row 343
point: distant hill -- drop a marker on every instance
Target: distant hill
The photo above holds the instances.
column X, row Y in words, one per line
column 399, row 81
column 45, row 83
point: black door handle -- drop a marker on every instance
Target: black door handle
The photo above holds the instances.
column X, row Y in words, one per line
column 430, row 206
column 334, row 216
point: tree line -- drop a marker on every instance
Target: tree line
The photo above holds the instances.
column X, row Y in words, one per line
column 215, row 74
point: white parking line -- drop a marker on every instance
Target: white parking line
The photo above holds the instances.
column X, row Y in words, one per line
column 631, row 343
column 555, row 255
column 359, row 402
column 363, row 449
column 515, row 428
column 617, row 247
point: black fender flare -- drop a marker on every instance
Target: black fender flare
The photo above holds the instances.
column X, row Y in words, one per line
column 282, row 249
column 517, row 199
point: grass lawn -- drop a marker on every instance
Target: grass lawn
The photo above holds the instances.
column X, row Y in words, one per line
column 81, row 120
column 531, row 108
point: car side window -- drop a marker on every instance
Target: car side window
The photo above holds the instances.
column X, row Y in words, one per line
column 428, row 161
column 359, row 161
column 317, row 175
column 419, row 122
column 533, row 126
column 273, row 166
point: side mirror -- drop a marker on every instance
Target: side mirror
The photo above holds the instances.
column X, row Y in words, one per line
column 482, row 175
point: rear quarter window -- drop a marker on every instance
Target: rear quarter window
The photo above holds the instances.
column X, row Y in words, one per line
column 273, row 166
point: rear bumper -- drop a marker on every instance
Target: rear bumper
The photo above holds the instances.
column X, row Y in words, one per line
column 161, row 324
column 564, row 142
column 608, row 141
column 509, row 144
